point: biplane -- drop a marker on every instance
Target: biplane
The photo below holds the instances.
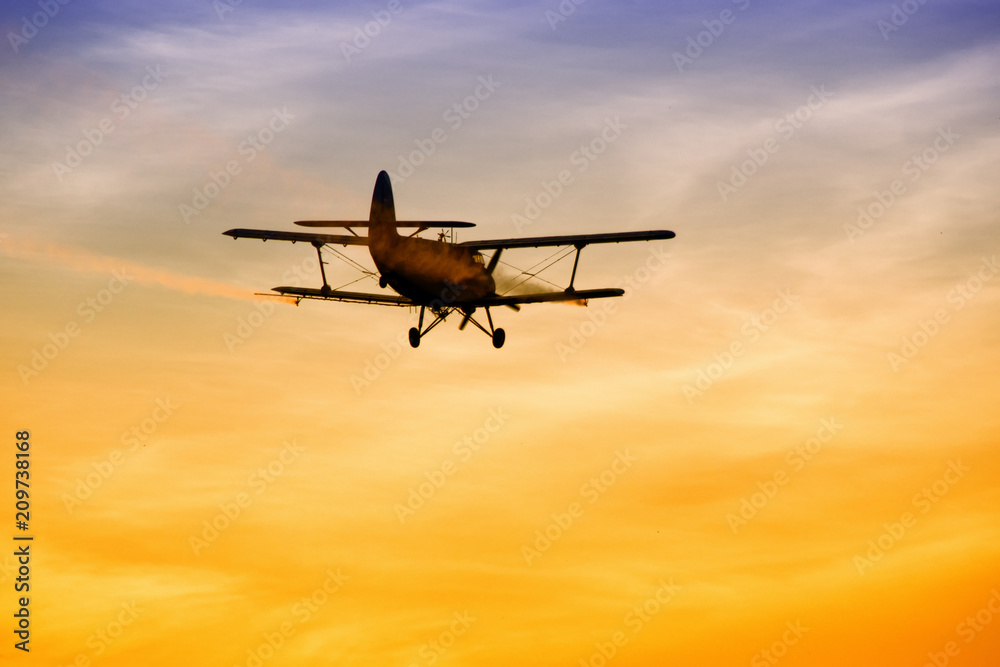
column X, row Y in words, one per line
column 439, row 276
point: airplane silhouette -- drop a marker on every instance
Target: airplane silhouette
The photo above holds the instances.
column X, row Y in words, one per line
column 439, row 276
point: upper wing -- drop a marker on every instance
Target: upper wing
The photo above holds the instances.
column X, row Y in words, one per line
column 578, row 240
column 295, row 237
column 338, row 295
column 422, row 224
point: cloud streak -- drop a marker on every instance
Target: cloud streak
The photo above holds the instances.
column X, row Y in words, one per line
column 79, row 260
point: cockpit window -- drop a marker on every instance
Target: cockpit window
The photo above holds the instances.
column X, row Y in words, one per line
column 478, row 258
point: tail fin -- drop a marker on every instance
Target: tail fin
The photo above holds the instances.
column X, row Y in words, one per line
column 382, row 220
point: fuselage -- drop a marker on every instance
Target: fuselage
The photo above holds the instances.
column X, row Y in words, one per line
column 431, row 273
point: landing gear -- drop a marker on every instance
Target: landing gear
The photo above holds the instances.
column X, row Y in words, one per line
column 498, row 336
column 417, row 332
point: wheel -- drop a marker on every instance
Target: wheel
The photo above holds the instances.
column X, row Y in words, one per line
column 382, row 282
column 414, row 337
column 498, row 338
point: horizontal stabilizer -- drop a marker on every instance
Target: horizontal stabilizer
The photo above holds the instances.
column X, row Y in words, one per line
column 420, row 224
column 295, row 237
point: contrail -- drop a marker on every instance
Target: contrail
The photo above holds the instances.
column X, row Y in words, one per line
column 82, row 260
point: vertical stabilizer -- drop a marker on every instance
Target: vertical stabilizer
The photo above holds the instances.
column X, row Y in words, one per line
column 382, row 221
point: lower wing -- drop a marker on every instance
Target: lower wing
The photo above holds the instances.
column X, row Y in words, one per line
column 512, row 300
column 339, row 295
column 544, row 297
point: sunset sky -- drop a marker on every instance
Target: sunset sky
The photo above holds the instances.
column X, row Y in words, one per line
column 780, row 447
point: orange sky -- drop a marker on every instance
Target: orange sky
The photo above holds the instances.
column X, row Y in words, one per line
column 778, row 448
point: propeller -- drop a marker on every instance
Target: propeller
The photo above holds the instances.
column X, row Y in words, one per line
column 490, row 268
column 465, row 320
column 494, row 260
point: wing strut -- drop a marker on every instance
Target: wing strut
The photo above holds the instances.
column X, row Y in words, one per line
column 319, row 252
column 576, row 262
